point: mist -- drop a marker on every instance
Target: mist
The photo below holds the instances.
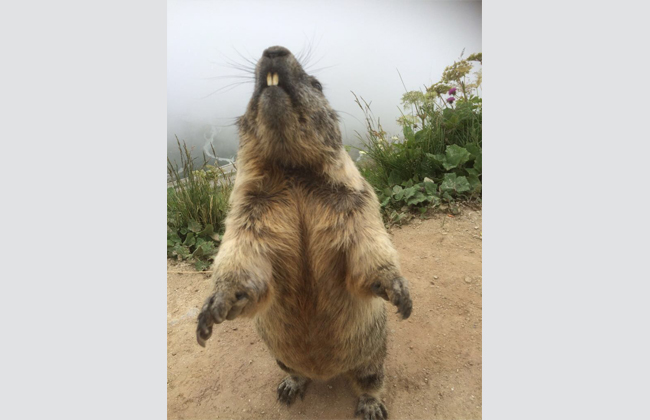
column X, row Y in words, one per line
column 351, row 46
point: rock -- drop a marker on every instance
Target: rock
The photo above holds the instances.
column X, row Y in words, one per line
column 468, row 279
column 435, row 277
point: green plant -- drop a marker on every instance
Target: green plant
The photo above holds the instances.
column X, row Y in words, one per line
column 197, row 204
column 442, row 142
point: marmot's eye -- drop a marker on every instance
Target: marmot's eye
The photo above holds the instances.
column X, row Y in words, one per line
column 317, row 85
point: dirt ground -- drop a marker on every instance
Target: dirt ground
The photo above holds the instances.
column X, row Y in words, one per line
column 433, row 369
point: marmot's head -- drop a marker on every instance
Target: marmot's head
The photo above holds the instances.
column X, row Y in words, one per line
column 288, row 120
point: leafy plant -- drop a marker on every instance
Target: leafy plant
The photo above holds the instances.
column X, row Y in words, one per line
column 441, row 141
column 197, row 204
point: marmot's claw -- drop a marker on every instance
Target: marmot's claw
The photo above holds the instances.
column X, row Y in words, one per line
column 401, row 297
column 218, row 308
column 370, row 408
column 204, row 327
column 397, row 293
column 290, row 388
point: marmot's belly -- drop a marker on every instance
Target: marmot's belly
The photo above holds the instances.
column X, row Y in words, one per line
column 324, row 342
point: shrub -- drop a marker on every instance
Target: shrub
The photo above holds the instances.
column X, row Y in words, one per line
column 197, row 204
column 442, row 143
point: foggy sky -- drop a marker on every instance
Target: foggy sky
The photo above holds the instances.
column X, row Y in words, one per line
column 356, row 46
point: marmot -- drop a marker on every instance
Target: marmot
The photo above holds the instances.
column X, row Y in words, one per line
column 305, row 251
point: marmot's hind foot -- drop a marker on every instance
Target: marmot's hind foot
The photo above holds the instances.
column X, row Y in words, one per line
column 371, row 408
column 290, row 388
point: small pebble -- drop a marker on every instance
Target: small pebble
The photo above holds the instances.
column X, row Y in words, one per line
column 468, row 279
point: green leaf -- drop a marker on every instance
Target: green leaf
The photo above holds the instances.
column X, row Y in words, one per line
column 201, row 265
column 408, row 133
column 455, row 183
column 409, row 192
column 181, row 251
column 397, row 217
column 439, row 159
column 385, row 202
column 198, row 252
column 474, row 149
column 393, row 178
column 430, row 187
column 194, row 226
column 455, row 156
column 207, row 232
column 407, row 184
column 190, row 240
column 420, row 136
column 417, row 199
column 474, row 183
column 448, row 183
column 462, row 185
column 478, row 163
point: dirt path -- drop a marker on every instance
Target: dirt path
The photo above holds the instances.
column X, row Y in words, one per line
column 433, row 370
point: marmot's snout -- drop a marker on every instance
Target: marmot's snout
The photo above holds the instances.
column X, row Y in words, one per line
column 278, row 67
column 276, row 51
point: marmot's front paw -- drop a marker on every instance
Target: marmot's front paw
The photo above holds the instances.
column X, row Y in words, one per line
column 217, row 308
column 397, row 293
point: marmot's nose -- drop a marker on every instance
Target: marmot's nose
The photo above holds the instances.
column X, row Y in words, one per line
column 277, row 51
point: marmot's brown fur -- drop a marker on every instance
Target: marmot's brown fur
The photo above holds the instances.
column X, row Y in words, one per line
column 305, row 250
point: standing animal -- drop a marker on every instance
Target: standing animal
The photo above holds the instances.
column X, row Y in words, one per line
column 305, row 252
